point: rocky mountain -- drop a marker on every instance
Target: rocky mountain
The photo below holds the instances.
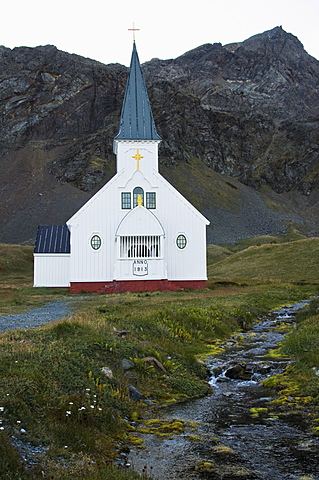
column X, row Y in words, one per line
column 240, row 129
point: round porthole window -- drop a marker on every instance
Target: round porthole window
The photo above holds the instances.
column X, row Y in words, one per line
column 96, row 242
column 181, row 241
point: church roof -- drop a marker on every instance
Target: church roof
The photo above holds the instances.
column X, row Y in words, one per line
column 137, row 122
column 52, row 239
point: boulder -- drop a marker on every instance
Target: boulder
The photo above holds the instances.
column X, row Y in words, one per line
column 136, row 396
column 107, row 372
column 235, row 372
column 127, row 364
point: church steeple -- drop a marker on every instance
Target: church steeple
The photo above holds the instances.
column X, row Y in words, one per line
column 137, row 122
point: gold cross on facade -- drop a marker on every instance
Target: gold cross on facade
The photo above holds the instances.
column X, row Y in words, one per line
column 137, row 157
column 133, row 30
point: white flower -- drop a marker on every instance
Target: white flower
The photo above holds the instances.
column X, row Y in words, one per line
column 1, row 409
column 92, row 406
column 68, row 412
column 1, row 428
column 18, row 421
column 70, row 403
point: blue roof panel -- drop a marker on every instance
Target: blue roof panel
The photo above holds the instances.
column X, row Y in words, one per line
column 52, row 239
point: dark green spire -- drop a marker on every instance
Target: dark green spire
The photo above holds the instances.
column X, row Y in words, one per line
column 137, row 122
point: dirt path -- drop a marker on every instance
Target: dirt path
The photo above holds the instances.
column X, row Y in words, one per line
column 38, row 315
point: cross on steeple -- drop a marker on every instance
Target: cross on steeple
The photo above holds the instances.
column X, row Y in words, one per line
column 133, row 30
column 137, row 157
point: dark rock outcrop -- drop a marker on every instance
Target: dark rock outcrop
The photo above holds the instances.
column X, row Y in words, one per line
column 247, row 110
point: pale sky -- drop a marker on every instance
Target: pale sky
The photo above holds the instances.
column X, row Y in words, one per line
column 168, row 28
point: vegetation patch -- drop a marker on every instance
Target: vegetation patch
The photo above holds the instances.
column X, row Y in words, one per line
column 255, row 412
column 223, row 449
column 298, row 385
column 163, row 429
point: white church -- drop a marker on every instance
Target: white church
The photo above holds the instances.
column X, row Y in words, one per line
column 137, row 233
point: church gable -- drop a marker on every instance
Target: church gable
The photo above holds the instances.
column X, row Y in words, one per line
column 98, row 199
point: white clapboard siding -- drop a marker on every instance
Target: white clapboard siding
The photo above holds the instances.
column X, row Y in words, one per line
column 51, row 270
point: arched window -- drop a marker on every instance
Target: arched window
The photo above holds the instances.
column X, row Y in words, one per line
column 136, row 192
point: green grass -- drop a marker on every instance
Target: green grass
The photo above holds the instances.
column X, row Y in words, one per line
column 296, row 261
column 16, row 264
column 302, row 346
column 291, row 235
column 51, row 377
column 216, row 253
column 298, row 386
column 16, row 278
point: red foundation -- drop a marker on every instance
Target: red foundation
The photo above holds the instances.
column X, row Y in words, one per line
column 118, row 286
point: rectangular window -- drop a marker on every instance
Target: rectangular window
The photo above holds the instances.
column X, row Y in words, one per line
column 140, row 246
column 150, row 200
column 126, row 200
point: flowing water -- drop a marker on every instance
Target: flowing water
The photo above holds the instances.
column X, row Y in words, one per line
column 230, row 441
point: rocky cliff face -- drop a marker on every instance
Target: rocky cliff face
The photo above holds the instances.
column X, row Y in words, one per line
column 248, row 110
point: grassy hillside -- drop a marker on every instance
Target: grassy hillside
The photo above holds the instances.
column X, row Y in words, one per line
column 296, row 261
column 216, row 253
column 16, row 263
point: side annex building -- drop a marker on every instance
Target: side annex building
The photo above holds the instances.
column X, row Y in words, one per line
column 137, row 233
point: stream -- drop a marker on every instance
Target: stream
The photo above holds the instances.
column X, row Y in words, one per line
column 230, row 442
